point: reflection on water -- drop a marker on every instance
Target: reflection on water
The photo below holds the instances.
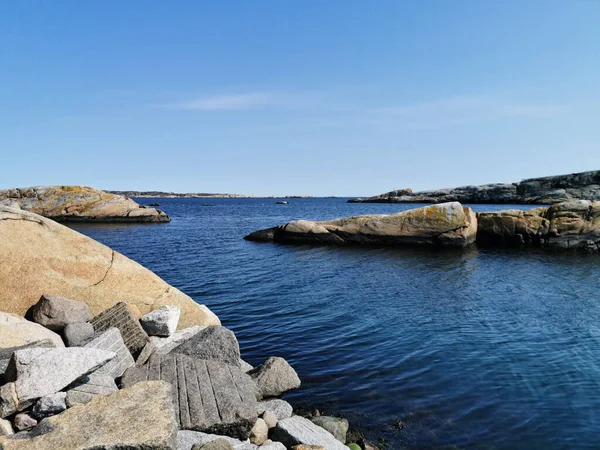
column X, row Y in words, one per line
column 477, row 349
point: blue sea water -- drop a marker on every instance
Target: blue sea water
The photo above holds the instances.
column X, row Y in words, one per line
column 473, row 349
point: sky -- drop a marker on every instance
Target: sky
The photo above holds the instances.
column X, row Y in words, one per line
column 337, row 97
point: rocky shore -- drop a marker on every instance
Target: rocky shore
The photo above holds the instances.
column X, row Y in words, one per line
column 544, row 190
column 163, row 194
column 97, row 352
column 573, row 225
column 79, row 204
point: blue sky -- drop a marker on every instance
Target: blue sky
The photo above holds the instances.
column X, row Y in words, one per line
column 308, row 97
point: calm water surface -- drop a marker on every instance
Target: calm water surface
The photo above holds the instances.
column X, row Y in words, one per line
column 475, row 349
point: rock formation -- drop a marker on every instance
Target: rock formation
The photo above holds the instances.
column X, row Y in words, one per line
column 79, row 204
column 448, row 225
column 545, row 190
column 42, row 256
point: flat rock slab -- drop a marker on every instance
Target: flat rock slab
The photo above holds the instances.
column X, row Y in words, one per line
column 85, row 389
column 112, row 341
column 15, row 331
column 210, row 396
column 137, row 418
column 120, row 316
column 186, row 439
column 165, row 345
column 280, row 408
column 298, row 430
column 6, row 354
column 218, row 343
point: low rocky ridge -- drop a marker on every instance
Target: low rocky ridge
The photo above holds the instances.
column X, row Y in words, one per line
column 79, row 204
column 447, row 225
column 42, row 256
column 544, row 190
column 573, row 225
column 96, row 395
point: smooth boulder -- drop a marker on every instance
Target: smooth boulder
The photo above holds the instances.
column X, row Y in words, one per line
column 140, row 417
column 446, row 225
column 274, row 377
column 40, row 255
column 56, row 312
column 16, row 331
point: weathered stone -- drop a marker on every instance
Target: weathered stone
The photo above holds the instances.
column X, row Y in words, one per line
column 280, row 408
column 9, row 401
column 187, row 439
column 270, row 418
column 308, row 447
column 338, row 427
column 6, row 354
column 210, row 396
column 218, row 343
column 446, row 225
column 55, row 312
column 82, row 391
column 217, row 444
column 274, row 377
column 145, row 354
column 120, row 316
column 112, row 341
column 165, row 345
column 39, row 255
column 162, row 321
column 80, row 204
column 245, row 366
column 76, row 334
column 270, row 445
column 137, row 418
column 24, row 421
column 15, row 331
column 6, row 428
column 259, row 432
column 50, row 405
column 36, row 371
column 512, row 228
column 298, row 430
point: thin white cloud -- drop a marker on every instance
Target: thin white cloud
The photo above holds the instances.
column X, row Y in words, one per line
column 233, row 102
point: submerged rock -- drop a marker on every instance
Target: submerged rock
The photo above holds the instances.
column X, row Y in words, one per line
column 80, row 204
column 39, row 255
column 448, row 224
column 336, row 426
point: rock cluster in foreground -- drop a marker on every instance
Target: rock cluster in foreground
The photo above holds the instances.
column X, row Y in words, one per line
column 41, row 256
column 544, row 190
column 571, row 225
column 79, row 204
column 448, row 225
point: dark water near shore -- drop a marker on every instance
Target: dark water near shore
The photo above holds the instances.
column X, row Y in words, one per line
column 476, row 349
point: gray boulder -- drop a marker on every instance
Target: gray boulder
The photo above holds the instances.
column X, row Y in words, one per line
column 270, row 418
column 212, row 343
column 245, row 366
column 163, row 345
column 218, row 444
column 85, row 389
column 337, row 426
column 187, row 439
column 120, row 316
column 298, row 430
column 111, row 340
column 280, row 408
column 36, row 374
column 210, row 396
column 55, row 312
column 6, row 354
column 274, row 377
column 6, row 428
column 162, row 321
column 24, row 421
column 50, row 405
column 270, row 445
column 75, row 334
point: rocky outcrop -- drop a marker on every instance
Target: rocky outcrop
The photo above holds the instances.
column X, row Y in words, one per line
column 79, row 204
column 545, row 190
column 41, row 256
column 447, row 225
column 573, row 225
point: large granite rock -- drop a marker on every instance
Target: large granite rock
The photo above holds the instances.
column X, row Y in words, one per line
column 218, row 343
column 56, row 312
column 544, row 190
column 112, row 341
column 448, row 224
column 7, row 353
column 137, row 418
column 573, row 225
column 162, row 321
column 80, row 204
column 38, row 372
column 15, row 331
column 120, row 317
column 298, row 430
column 337, row 426
column 280, row 408
column 210, row 396
column 274, row 377
column 39, row 255
column 187, row 440
column 83, row 390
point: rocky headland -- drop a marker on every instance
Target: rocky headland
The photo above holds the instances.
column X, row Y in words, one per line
column 97, row 352
column 573, row 225
column 545, row 190
column 79, row 204
column 163, row 194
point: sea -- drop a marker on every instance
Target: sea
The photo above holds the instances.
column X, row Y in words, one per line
column 417, row 348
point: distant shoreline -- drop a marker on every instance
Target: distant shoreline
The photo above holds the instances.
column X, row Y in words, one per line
column 160, row 194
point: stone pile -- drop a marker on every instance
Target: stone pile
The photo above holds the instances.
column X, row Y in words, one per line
column 71, row 380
